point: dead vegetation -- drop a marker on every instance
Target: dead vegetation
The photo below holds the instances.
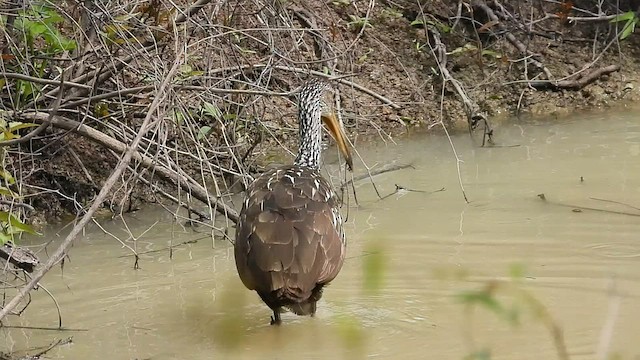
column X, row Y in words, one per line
column 107, row 105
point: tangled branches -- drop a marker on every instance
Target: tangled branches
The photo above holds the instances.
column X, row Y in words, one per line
column 242, row 61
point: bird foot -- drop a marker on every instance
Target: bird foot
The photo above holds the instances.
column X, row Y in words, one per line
column 275, row 319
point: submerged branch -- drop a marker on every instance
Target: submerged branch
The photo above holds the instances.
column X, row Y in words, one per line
column 581, row 208
column 382, row 170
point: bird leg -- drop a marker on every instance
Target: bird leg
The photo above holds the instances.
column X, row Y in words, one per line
column 275, row 319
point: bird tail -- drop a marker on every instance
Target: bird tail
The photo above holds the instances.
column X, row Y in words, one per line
column 302, row 304
column 303, row 308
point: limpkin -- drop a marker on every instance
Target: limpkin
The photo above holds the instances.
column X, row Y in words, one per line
column 289, row 241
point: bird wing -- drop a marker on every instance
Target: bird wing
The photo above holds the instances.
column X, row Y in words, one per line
column 289, row 234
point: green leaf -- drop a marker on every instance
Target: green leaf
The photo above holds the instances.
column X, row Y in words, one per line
column 350, row 330
column 179, row 117
column 624, row 17
column 57, row 42
column 229, row 117
column 204, row 131
column 491, row 53
column 186, row 69
column 212, row 110
column 7, row 192
column 8, row 178
column 5, row 238
column 629, row 27
column 462, row 49
column 8, row 135
column 443, row 28
column 16, row 223
column 15, row 126
column 196, row 73
column 52, row 16
column 27, row 88
column 35, row 29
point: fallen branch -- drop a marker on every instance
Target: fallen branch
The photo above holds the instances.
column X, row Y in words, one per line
column 575, row 84
column 20, row 257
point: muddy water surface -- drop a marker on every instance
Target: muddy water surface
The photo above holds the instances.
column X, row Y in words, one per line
column 583, row 265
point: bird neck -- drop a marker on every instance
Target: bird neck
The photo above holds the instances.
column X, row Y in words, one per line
column 310, row 136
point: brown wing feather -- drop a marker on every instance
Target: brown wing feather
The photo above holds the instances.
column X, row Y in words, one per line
column 289, row 235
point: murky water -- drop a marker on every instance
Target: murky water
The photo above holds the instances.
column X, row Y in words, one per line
column 582, row 264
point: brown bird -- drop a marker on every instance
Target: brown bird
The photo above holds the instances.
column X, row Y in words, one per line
column 289, row 241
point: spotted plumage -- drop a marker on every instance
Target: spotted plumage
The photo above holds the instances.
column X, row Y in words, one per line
column 290, row 242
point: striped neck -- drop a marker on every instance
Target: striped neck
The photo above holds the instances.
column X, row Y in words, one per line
column 309, row 112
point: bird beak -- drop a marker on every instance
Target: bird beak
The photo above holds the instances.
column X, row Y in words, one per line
column 337, row 132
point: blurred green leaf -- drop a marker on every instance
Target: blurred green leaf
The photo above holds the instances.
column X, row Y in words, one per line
column 483, row 298
column 374, row 266
column 351, row 332
column 517, row 271
column 230, row 325
column 484, row 354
